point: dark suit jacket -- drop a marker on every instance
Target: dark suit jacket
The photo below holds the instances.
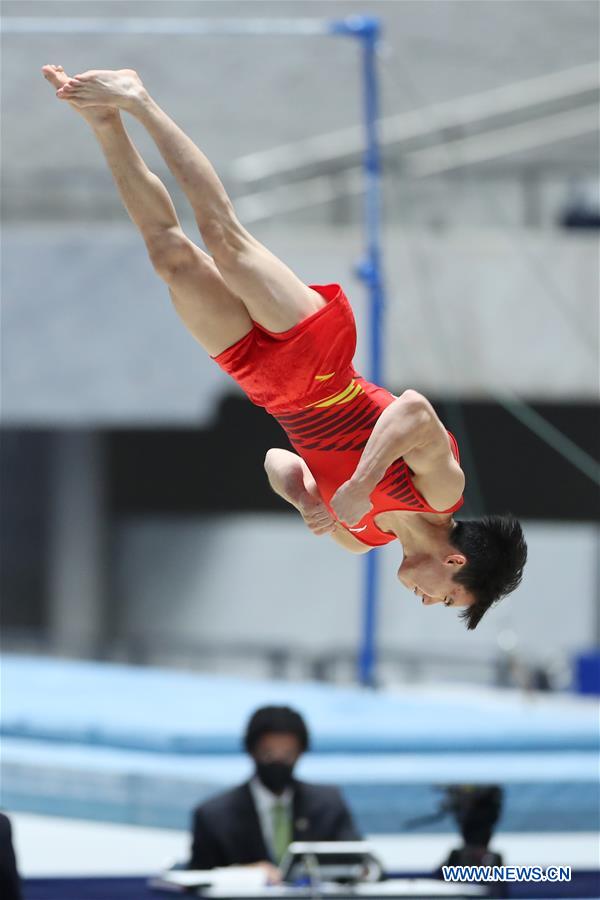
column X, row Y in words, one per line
column 10, row 888
column 227, row 828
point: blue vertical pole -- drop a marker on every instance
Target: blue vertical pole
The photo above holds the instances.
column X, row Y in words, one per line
column 370, row 271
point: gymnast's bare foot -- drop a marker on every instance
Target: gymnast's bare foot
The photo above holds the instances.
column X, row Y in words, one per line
column 119, row 89
column 95, row 115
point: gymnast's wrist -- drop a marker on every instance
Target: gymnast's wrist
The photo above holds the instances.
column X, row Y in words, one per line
column 364, row 483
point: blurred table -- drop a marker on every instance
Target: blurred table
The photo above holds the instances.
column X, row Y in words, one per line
column 584, row 884
column 396, row 887
column 88, row 889
column 138, row 889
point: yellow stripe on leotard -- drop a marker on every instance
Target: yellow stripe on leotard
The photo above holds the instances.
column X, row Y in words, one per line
column 349, row 393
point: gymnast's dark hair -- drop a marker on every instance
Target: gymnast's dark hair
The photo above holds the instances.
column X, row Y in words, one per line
column 496, row 554
column 275, row 720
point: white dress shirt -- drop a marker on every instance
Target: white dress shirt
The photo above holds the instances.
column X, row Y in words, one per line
column 264, row 801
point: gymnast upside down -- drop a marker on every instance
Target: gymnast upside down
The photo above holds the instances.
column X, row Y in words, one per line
column 370, row 468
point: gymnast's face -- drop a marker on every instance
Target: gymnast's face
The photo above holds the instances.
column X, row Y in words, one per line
column 431, row 579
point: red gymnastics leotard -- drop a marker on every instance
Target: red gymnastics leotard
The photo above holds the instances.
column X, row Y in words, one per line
column 304, row 377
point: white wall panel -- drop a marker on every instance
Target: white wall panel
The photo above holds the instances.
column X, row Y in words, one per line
column 245, row 578
column 89, row 335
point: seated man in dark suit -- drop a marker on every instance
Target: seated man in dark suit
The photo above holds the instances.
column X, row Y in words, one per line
column 253, row 824
column 10, row 886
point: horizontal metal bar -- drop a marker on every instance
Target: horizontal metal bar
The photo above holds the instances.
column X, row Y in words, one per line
column 174, row 26
column 293, row 197
column 425, row 122
column 502, row 142
column 478, row 148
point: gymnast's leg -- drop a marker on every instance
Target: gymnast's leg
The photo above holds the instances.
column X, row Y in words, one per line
column 208, row 307
column 272, row 293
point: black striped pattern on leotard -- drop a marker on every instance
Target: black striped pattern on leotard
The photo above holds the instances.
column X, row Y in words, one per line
column 346, row 428
column 337, row 428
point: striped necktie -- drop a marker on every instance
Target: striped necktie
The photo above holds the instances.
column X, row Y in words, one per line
column 282, row 830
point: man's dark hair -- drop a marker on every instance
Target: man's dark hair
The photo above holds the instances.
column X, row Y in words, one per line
column 496, row 554
column 275, row 720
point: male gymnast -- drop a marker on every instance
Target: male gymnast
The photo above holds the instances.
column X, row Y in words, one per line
column 370, row 468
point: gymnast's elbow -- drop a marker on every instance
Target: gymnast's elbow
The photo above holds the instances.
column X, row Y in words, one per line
column 412, row 403
column 272, row 457
column 268, row 461
column 414, row 399
column 282, row 478
column 270, row 467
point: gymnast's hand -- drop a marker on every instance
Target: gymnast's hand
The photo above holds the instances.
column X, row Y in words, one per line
column 315, row 513
column 350, row 503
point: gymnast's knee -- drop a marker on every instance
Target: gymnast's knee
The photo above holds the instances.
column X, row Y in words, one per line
column 171, row 252
column 225, row 239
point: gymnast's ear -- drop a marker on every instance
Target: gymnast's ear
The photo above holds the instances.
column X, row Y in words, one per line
column 455, row 559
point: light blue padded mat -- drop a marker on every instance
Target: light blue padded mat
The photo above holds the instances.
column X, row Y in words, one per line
column 171, row 711
column 143, row 746
column 556, row 791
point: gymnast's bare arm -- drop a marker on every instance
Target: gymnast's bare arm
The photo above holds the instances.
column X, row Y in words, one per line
column 408, row 428
column 290, row 477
